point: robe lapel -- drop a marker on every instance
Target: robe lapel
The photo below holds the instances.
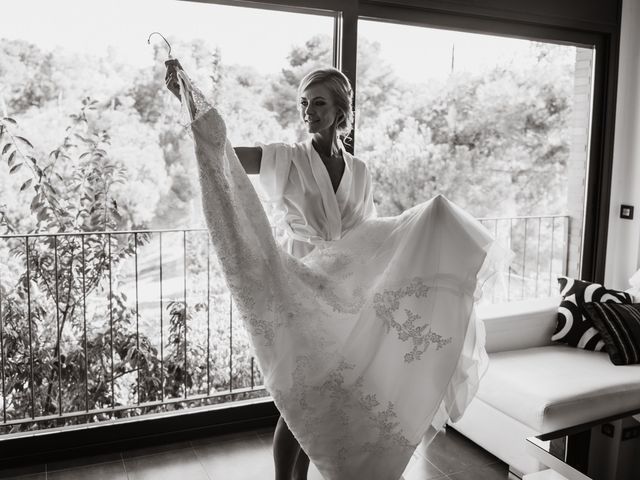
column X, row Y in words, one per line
column 329, row 199
column 344, row 188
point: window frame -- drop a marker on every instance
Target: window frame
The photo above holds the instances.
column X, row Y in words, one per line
column 603, row 38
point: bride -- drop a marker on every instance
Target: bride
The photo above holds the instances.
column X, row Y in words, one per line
column 363, row 326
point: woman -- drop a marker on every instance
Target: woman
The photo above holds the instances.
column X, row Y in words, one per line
column 325, row 106
column 364, row 330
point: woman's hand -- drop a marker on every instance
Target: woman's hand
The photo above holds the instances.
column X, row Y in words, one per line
column 173, row 85
column 171, row 77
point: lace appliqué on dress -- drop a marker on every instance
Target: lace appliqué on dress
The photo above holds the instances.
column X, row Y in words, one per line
column 387, row 304
column 344, row 399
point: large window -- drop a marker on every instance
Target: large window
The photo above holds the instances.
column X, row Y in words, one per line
column 498, row 125
column 97, row 326
column 248, row 60
column 105, row 323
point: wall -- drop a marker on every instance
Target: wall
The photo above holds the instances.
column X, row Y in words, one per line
column 598, row 15
column 623, row 245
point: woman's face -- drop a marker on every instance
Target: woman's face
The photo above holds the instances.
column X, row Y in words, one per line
column 317, row 109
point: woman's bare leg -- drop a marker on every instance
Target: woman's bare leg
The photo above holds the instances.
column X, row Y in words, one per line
column 301, row 468
column 285, row 451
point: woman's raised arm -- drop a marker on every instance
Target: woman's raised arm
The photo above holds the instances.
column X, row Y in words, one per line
column 250, row 158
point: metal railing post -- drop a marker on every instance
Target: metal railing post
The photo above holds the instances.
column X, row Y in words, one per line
column 2, row 355
column 32, row 380
column 84, row 321
column 113, row 389
column 208, row 314
column 135, row 258
column 184, row 280
column 161, row 327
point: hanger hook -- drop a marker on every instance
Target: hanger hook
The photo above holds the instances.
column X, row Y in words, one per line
column 165, row 41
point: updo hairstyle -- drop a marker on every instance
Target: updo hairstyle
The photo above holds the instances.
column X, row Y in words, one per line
column 341, row 92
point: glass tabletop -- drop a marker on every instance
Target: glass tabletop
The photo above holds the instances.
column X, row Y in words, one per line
column 605, row 449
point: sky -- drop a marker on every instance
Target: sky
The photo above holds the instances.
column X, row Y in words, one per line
column 250, row 36
column 92, row 25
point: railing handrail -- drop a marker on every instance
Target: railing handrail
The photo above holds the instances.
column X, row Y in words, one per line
column 180, row 230
column 101, row 232
column 524, row 217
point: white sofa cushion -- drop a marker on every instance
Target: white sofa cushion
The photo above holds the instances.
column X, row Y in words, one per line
column 552, row 387
column 518, row 325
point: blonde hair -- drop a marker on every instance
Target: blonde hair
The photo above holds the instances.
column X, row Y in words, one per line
column 341, row 92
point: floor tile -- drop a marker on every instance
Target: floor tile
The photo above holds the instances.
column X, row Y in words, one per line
column 266, row 431
column 238, row 458
column 442, row 453
column 496, row 471
column 34, row 476
column 248, row 456
column 101, row 471
column 266, row 437
column 225, row 437
column 156, row 449
column 84, row 461
column 471, row 452
column 180, row 464
column 419, row 468
column 451, row 452
column 25, row 471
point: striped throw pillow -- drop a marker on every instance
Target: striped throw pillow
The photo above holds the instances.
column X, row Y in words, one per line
column 573, row 328
column 619, row 326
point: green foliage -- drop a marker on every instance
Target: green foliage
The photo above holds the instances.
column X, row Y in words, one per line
column 282, row 98
column 32, row 71
column 71, row 338
column 496, row 143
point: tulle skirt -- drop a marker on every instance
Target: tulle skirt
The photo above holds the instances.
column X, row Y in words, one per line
column 369, row 343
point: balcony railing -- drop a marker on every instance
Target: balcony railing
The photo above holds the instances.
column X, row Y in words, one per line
column 107, row 325
column 540, row 247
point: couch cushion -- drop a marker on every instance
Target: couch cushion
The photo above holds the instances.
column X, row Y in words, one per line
column 521, row 324
column 619, row 326
column 558, row 386
column 574, row 328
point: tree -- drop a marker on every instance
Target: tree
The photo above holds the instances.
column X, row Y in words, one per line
column 496, row 142
column 56, row 354
column 281, row 99
column 29, row 75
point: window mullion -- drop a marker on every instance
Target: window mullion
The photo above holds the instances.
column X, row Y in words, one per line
column 346, row 51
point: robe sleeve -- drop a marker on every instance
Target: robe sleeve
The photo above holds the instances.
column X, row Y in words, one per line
column 274, row 170
column 368, row 207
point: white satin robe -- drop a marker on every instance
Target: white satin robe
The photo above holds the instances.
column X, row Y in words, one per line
column 295, row 179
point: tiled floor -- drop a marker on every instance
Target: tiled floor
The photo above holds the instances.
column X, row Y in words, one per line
column 247, row 456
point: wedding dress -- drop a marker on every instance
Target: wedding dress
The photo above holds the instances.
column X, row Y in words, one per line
column 367, row 344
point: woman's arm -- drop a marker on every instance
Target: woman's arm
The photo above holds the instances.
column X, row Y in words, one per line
column 250, row 158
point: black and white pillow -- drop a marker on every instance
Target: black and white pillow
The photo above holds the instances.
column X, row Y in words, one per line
column 619, row 326
column 573, row 327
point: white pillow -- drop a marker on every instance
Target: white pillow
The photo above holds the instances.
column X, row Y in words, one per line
column 634, row 290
